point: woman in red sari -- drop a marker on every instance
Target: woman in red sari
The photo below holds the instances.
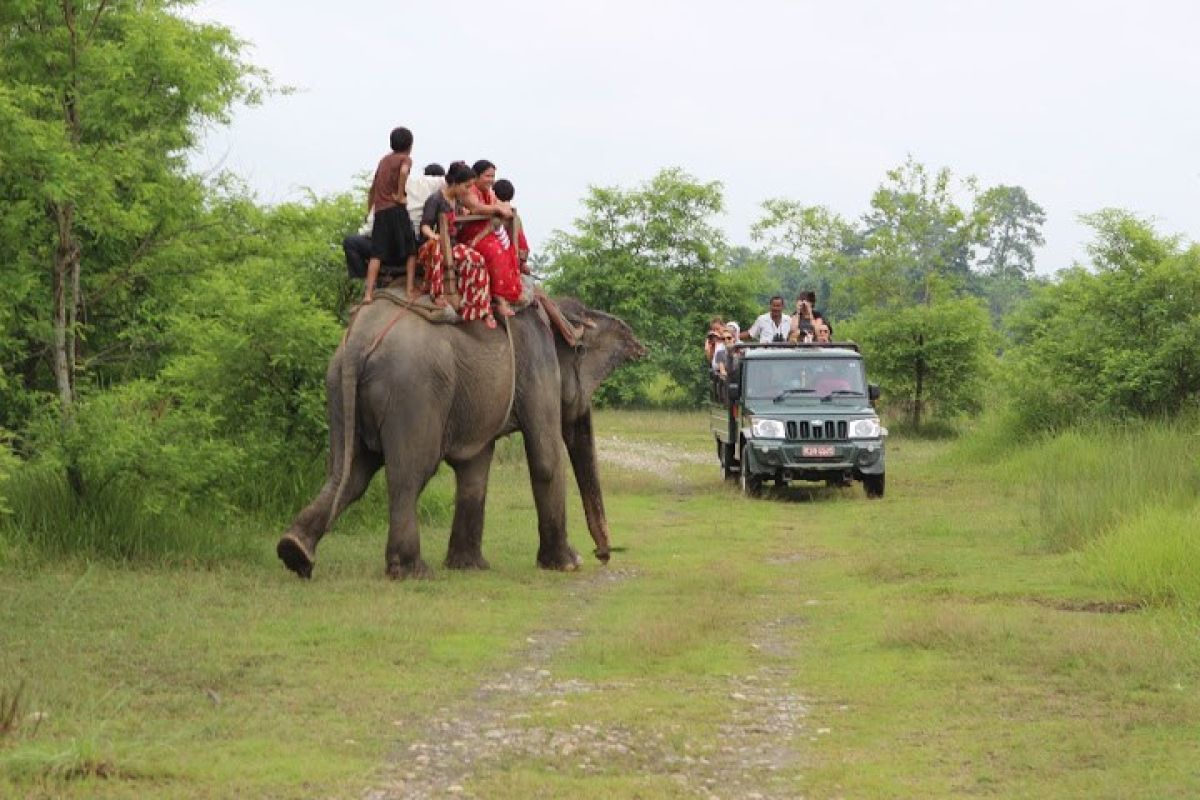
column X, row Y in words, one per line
column 474, row 286
column 500, row 256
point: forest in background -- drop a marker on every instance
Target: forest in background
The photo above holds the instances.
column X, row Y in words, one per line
column 163, row 334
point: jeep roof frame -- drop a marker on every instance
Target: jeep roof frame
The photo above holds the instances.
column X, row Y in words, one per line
column 798, row 345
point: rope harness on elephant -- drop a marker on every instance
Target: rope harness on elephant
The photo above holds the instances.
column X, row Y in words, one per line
column 512, row 362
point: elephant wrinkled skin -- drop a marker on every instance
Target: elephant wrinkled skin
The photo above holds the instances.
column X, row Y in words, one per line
column 405, row 394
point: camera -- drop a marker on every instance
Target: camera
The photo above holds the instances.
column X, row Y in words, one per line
column 777, row 338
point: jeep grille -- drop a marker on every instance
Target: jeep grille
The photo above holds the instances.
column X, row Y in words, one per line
column 829, row 429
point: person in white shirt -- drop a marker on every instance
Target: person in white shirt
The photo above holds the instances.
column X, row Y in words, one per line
column 774, row 326
column 420, row 188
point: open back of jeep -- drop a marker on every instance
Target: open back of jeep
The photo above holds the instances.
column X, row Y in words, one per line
column 798, row 412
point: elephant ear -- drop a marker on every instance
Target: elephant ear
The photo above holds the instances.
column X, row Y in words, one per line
column 605, row 344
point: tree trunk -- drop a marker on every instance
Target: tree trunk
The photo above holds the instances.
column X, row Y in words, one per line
column 66, row 311
column 67, row 262
column 66, row 304
column 920, row 387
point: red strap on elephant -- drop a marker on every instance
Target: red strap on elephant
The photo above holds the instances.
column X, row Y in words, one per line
column 384, row 332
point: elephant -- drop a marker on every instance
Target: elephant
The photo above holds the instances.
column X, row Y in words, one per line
column 406, row 394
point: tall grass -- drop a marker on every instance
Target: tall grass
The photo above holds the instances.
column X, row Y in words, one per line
column 1153, row 556
column 1126, row 496
column 44, row 519
column 1088, row 482
column 48, row 520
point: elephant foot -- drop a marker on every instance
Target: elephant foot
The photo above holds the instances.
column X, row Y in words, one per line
column 417, row 570
column 295, row 555
column 466, row 561
column 563, row 560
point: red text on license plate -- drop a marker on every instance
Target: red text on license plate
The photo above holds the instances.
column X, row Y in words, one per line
column 817, row 451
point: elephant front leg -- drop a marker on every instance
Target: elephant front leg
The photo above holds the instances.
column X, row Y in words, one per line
column 581, row 447
column 470, row 496
column 543, row 452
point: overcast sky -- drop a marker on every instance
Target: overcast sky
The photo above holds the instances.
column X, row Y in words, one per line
column 1085, row 104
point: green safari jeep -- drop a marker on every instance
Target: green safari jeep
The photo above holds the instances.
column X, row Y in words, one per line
column 798, row 412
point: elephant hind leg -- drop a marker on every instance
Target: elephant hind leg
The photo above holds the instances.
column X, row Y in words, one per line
column 297, row 548
column 403, row 555
column 294, row 555
column 470, row 495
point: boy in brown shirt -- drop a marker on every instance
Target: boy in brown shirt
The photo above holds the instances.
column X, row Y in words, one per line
column 393, row 243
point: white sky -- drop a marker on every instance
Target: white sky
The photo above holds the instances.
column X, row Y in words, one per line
column 1085, row 104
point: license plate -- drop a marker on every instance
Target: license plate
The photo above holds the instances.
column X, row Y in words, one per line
column 817, row 451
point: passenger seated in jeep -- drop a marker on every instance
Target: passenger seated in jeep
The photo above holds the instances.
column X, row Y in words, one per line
column 803, row 329
column 716, row 329
column 723, row 359
column 823, row 334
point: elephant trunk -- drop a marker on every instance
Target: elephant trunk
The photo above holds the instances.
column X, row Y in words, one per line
column 581, row 447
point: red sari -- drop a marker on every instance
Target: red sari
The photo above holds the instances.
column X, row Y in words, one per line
column 504, row 270
column 473, row 285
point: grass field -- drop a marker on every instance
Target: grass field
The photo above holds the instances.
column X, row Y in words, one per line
column 942, row 642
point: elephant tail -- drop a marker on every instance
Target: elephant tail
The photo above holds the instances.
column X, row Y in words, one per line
column 349, row 389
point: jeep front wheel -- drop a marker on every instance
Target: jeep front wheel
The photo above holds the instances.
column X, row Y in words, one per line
column 728, row 471
column 751, row 485
column 873, row 485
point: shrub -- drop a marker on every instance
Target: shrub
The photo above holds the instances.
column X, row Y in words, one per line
column 1119, row 341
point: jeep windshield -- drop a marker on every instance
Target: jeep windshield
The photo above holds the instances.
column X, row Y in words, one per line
column 804, row 380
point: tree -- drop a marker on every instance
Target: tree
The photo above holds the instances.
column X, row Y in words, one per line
column 101, row 101
column 917, row 240
column 906, row 269
column 931, row 359
column 1012, row 228
column 653, row 256
column 808, row 248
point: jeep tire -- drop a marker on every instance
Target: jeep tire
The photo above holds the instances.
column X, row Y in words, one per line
column 725, row 452
column 751, row 485
column 873, row 485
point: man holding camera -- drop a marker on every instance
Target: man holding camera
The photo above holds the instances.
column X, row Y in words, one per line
column 774, row 326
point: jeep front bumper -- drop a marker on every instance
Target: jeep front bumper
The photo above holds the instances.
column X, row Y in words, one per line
column 767, row 457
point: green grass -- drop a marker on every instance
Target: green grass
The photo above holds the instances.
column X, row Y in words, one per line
column 947, row 641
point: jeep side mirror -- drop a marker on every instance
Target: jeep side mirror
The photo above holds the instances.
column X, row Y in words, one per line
column 735, row 393
column 873, row 392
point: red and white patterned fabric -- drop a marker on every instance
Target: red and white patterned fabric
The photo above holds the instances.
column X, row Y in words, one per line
column 474, row 283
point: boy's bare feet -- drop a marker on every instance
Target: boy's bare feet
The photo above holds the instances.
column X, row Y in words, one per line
column 504, row 308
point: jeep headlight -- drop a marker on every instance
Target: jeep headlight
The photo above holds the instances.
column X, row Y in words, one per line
column 868, row 428
column 767, row 429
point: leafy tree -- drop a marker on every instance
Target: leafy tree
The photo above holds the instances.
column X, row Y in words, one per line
column 930, row 359
column 906, row 269
column 234, row 414
column 917, row 241
column 808, row 249
column 653, row 256
column 101, row 101
column 1012, row 229
column 1120, row 339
